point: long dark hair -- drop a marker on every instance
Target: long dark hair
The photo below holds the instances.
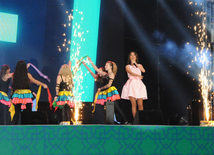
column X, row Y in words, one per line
column 129, row 61
column 100, row 78
column 3, row 71
column 20, row 77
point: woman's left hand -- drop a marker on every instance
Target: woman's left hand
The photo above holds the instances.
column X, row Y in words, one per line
column 45, row 86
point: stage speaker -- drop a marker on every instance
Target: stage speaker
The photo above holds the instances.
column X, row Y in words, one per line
column 34, row 117
column 195, row 113
column 109, row 112
column 148, row 117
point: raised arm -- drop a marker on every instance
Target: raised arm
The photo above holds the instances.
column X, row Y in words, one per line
column 36, row 81
column 8, row 76
column 128, row 70
column 96, row 69
column 72, row 82
column 58, row 80
column 71, row 85
column 94, row 75
column 69, row 64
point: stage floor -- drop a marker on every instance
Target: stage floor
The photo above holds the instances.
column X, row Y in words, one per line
column 107, row 140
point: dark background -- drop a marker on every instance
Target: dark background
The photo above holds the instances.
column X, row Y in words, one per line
column 142, row 25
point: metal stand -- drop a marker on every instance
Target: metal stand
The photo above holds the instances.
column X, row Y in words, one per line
column 109, row 112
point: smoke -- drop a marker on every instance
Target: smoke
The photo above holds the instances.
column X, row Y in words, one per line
column 185, row 56
column 158, row 35
column 198, row 1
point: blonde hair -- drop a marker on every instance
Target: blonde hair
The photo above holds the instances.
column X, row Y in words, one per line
column 114, row 66
column 65, row 70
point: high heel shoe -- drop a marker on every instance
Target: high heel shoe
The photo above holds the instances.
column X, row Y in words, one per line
column 127, row 123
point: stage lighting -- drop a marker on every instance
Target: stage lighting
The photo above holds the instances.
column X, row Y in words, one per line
column 9, row 26
column 84, row 40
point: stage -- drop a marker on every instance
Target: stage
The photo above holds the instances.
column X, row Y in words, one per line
column 107, row 139
column 50, row 33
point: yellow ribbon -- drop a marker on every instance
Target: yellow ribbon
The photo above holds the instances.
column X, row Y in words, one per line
column 79, row 62
column 38, row 96
column 12, row 111
column 95, row 100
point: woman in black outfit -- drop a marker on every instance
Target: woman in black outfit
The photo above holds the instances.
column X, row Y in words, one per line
column 106, row 89
column 5, row 103
column 64, row 99
column 22, row 95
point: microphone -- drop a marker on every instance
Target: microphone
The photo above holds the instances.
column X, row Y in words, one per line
column 135, row 65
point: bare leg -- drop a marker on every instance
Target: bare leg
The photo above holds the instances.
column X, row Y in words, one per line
column 140, row 104
column 134, row 106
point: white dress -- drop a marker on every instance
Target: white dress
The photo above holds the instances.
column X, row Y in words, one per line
column 134, row 87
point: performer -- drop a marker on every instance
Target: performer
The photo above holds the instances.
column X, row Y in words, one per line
column 5, row 103
column 64, row 96
column 134, row 89
column 107, row 91
column 21, row 93
column 97, row 77
column 98, row 114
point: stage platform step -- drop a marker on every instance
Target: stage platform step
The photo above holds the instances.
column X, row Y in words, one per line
column 107, row 140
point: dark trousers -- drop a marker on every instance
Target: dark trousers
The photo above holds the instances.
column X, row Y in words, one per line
column 64, row 113
column 4, row 115
column 18, row 111
column 99, row 114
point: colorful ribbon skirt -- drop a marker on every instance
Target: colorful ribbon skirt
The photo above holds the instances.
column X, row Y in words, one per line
column 4, row 99
column 22, row 96
column 65, row 97
column 110, row 94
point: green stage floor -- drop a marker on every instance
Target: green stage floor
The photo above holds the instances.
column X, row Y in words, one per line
column 107, row 140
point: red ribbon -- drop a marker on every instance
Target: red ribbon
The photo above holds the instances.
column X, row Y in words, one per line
column 50, row 99
column 55, row 109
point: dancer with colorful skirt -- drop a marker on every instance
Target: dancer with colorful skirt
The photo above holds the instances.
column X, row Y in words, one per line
column 98, row 111
column 108, row 92
column 64, row 99
column 97, row 77
column 134, row 89
column 21, row 93
column 5, row 103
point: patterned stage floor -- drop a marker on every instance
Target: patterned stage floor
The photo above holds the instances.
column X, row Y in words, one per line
column 107, row 140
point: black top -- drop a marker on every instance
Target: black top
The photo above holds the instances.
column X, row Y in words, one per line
column 103, row 81
column 4, row 85
column 64, row 86
column 99, row 81
column 106, row 80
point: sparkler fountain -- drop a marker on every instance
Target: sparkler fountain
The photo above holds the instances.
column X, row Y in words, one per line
column 205, row 57
column 76, row 71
